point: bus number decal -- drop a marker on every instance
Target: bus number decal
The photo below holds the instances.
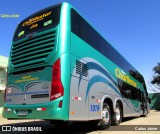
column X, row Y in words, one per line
column 94, row 108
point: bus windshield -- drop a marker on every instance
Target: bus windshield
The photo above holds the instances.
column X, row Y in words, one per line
column 41, row 20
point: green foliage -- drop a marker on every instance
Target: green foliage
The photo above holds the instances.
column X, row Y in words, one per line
column 156, row 77
column 155, row 101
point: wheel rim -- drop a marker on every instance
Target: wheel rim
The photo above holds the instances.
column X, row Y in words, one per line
column 118, row 113
column 105, row 116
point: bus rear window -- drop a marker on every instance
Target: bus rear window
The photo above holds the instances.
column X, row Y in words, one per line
column 37, row 22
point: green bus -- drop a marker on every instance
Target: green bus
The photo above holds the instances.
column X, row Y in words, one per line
column 61, row 69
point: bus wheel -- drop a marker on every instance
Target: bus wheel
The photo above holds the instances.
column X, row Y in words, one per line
column 145, row 113
column 117, row 116
column 106, row 117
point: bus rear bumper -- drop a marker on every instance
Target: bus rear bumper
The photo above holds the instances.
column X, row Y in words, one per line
column 50, row 110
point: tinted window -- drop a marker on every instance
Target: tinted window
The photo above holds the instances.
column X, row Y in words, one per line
column 77, row 25
column 41, row 20
column 128, row 91
column 86, row 32
column 139, row 77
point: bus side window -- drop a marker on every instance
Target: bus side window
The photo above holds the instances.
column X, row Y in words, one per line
column 138, row 95
column 128, row 93
column 134, row 94
column 77, row 24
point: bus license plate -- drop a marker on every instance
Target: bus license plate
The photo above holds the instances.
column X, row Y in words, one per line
column 23, row 113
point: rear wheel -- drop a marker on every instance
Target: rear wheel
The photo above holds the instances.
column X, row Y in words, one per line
column 144, row 109
column 106, row 117
column 145, row 112
column 117, row 116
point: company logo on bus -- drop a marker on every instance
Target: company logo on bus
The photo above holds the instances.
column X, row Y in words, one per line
column 36, row 19
column 121, row 75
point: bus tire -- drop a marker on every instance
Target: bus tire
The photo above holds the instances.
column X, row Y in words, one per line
column 117, row 116
column 105, row 122
column 145, row 113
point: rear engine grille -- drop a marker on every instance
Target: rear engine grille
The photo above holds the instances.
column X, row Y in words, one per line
column 33, row 51
column 81, row 68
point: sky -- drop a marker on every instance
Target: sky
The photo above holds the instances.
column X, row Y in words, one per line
column 132, row 27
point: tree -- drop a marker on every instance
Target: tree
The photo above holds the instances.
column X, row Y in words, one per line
column 156, row 77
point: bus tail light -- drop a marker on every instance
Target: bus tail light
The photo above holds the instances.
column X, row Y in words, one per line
column 41, row 109
column 5, row 95
column 8, row 109
column 5, row 91
column 56, row 87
